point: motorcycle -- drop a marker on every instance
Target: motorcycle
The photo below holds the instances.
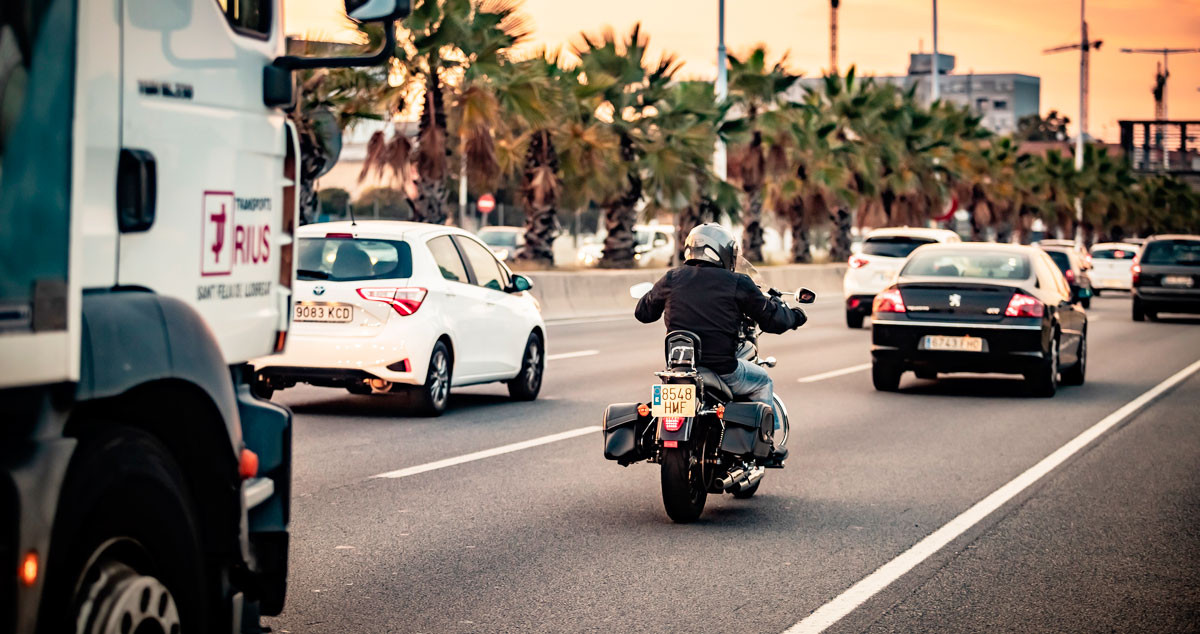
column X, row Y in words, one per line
column 704, row 440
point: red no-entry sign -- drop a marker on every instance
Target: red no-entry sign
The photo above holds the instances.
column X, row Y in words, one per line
column 486, row 203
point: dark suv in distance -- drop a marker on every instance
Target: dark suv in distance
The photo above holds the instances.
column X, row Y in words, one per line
column 1075, row 268
column 1166, row 277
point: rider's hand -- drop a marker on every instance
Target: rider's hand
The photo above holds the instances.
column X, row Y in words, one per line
column 800, row 316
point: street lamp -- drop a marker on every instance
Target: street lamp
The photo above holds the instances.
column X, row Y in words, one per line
column 719, row 156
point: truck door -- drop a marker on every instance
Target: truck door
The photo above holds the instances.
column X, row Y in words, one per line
column 195, row 132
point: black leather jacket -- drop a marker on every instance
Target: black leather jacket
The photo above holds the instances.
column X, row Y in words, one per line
column 710, row 301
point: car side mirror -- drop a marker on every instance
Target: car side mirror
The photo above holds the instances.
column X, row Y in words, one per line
column 805, row 296
column 638, row 290
column 377, row 10
column 521, row 283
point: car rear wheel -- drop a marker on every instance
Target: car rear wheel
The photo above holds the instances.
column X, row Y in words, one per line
column 1044, row 380
column 1139, row 311
column 435, row 394
column 854, row 320
column 1076, row 374
column 528, row 383
column 1086, row 303
column 885, row 376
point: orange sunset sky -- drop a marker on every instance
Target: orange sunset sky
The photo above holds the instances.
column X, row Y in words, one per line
column 877, row 36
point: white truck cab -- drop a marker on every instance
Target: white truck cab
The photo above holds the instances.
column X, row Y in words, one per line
column 147, row 206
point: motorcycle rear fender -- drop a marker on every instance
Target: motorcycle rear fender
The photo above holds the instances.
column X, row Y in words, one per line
column 684, row 433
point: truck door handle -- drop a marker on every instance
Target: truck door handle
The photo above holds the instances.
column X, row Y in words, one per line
column 137, row 185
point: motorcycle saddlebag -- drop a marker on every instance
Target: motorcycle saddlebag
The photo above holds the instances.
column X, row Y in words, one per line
column 749, row 429
column 624, row 430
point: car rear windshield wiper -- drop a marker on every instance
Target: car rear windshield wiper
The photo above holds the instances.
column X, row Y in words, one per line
column 317, row 275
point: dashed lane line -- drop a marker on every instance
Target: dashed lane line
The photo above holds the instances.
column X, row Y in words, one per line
column 571, row 355
column 834, row 373
column 488, row 453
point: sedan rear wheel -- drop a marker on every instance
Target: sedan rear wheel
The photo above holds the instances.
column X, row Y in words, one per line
column 885, row 376
column 1044, row 380
column 1075, row 375
column 854, row 319
column 1139, row 311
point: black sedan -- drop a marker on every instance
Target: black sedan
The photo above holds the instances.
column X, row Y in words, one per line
column 979, row 307
column 1166, row 277
column 1075, row 268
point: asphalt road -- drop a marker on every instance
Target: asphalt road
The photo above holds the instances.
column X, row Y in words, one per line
column 553, row 538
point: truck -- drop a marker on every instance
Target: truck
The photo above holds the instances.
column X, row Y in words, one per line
column 148, row 198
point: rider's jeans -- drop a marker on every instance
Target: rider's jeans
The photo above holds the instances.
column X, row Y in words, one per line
column 750, row 380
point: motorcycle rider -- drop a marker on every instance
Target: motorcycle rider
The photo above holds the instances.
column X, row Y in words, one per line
column 706, row 296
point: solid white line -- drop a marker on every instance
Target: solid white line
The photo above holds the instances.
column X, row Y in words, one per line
column 571, row 355
column 570, row 321
column 488, row 453
column 835, row 373
column 872, row 584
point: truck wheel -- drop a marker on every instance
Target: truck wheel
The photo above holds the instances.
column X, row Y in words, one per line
column 128, row 555
column 854, row 319
column 526, row 385
column 431, row 398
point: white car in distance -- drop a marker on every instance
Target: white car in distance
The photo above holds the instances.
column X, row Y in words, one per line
column 386, row 306
column 1112, row 264
column 882, row 255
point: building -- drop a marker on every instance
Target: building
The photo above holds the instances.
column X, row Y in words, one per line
column 1001, row 100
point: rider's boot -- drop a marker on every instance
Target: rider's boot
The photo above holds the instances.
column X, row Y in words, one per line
column 775, row 460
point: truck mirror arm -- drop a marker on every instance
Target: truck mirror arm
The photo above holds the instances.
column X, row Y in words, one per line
column 293, row 62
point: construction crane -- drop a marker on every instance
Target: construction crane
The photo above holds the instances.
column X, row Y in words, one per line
column 833, row 11
column 1160, row 77
column 1084, row 47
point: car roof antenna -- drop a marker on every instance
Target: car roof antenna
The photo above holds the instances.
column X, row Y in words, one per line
column 351, row 208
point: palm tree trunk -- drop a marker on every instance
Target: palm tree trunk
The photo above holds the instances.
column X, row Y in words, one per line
column 540, row 185
column 752, row 237
column 839, row 237
column 432, row 193
column 620, row 217
column 801, row 238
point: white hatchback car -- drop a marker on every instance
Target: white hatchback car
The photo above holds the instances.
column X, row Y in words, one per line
column 1112, row 264
column 387, row 306
column 876, row 264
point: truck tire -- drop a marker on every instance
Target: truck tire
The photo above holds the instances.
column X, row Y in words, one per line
column 127, row 554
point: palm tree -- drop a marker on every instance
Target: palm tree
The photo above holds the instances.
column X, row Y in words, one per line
column 628, row 88
column 755, row 90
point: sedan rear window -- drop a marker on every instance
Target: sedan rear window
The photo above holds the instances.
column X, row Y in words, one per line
column 348, row 259
column 1061, row 259
column 1172, row 252
column 893, row 246
column 998, row 266
column 1114, row 254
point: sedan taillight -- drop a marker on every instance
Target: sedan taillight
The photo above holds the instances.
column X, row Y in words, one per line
column 1022, row 305
column 405, row 300
column 889, row 301
column 1136, row 270
column 858, row 261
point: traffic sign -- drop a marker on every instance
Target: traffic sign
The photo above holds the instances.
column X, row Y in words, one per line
column 486, row 203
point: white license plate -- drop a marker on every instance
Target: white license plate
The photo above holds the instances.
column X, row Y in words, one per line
column 1178, row 281
column 1112, row 281
column 673, row 400
column 323, row 312
column 965, row 344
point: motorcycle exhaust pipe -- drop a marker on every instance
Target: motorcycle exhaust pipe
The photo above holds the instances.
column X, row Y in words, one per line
column 741, row 479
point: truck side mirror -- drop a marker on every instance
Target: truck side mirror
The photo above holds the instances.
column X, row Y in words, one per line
column 377, row 10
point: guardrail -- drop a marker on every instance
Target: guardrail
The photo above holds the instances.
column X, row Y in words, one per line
column 601, row 293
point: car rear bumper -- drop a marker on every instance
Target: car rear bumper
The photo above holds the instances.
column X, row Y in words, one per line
column 340, row 361
column 1008, row 349
column 1169, row 300
column 859, row 304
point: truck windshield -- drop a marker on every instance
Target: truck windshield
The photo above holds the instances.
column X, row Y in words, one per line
column 348, row 259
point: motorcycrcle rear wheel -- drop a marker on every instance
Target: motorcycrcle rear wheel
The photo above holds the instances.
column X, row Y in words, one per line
column 683, row 489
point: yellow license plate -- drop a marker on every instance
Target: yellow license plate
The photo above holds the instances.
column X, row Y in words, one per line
column 673, row 400
column 965, row 344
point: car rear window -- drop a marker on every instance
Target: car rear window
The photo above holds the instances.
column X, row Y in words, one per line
column 1061, row 259
column 1114, row 254
column 499, row 238
column 349, row 259
column 1172, row 252
column 893, row 246
column 998, row 266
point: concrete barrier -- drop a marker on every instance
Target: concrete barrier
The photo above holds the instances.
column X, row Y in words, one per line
column 600, row 293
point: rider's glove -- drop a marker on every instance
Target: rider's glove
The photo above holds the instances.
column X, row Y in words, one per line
column 800, row 317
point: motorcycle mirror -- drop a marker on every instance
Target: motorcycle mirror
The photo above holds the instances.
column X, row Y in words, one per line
column 638, row 290
column 769, row 362
column 805, row 296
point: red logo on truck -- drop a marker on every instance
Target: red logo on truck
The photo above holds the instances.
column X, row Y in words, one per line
column 216, row 257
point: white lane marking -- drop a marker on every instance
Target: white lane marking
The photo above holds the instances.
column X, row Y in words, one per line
column 569, row 321
column 488, row 453
column 872, row 584
column 835, row 373
column 571, row 355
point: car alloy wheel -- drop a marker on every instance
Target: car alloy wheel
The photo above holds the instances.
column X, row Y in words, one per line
column 439, row 384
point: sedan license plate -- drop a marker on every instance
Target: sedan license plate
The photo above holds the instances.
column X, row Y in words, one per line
column 673, row 400
column 1178, row 281
column 323, row 312
column 965, row 344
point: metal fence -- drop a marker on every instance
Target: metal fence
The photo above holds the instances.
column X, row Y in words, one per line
column 1162, row 146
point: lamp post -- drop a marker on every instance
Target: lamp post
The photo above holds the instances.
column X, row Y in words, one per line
column 719, row 156
column 934, row 93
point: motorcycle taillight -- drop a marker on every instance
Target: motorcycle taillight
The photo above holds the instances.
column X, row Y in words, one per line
column 672, row 423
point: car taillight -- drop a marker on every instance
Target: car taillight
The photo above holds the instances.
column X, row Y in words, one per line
column 1070, row 275
column 672, row 423
column 406, row 301
column 1024, row 306
column 858, row 261
column 889, row 301
column 1136, row 270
